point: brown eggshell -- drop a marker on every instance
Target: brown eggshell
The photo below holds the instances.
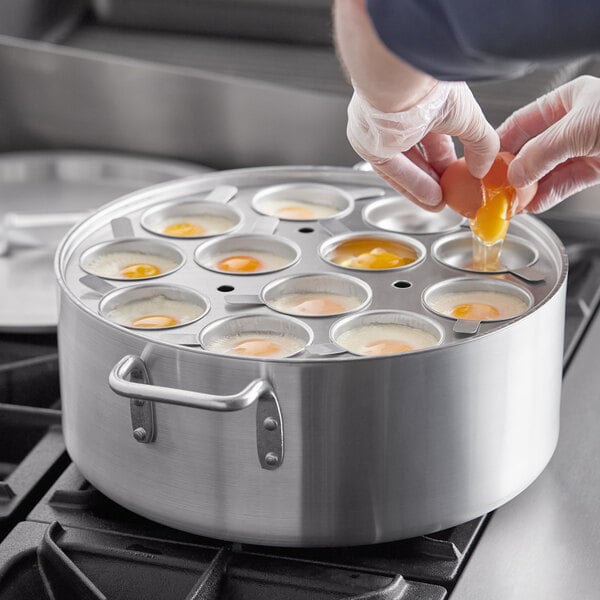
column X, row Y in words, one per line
column 465, row 193
column 460, row 190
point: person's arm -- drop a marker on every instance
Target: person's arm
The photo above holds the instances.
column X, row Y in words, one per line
column 381, row 77
column 400, row 119
column 476, row 39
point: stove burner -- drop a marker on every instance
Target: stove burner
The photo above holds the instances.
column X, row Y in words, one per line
column 49, row 562
column 436, row 558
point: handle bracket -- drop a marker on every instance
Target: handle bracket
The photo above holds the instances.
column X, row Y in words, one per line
column 130, row 379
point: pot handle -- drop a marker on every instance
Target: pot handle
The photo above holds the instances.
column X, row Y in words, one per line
column 130, row 378
column 133, row 368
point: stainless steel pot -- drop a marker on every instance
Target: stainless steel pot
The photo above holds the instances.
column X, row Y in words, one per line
column 309, row 451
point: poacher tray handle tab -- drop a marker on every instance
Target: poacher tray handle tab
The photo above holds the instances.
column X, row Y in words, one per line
column 122, row 228
column 329, row 349
column 130, row 378
column 222, row 194
column 243, row 299
column 466, row 327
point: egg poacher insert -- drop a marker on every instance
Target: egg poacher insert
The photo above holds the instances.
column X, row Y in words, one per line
column 212, row 204
column 165, row 430
column 398, row 214
column 341, row 201
column 335, row 284
column 518, row 256
column 466, row 285
column 338, row 230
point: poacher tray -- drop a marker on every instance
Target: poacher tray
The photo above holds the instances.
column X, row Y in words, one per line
column 532, row 255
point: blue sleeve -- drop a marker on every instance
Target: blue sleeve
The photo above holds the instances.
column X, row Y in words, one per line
column 479, row 39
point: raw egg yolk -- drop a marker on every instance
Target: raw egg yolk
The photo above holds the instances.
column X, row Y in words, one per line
column 240, row 264
column 256, row 347
column 320, row 306
column 184, row 230
column 140, row 270
column 476, row 311
column 155, row 321
column 379, row 258
column 297, row 213
column 386, row 347
column 499, row 205
column 373, row 253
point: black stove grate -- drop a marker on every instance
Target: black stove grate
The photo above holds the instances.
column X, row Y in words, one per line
column 32, row 451
column 51, row 562
column 437, row 558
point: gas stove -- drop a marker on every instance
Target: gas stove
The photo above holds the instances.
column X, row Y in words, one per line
column 62, row 539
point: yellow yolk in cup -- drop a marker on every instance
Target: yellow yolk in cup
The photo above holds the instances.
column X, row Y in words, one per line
column 380, row 347
column 476, row 311
column 297, row 213
column 478, row 305
column 155, row 321
column 184, row 229
column 315, row 304
column 256, row 347
column 320, row 306
column 372, row 253
column 240, row 264
column 379, row 339
column 140, row 270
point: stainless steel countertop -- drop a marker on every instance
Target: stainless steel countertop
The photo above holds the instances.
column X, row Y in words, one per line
column 545, row 544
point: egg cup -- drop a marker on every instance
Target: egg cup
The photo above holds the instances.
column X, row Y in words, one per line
column 456, row 251
column 329, row 246
column 466, row 285
column 317, row 194
column 147, row 250
column 154, row 219
column 126, row 296
column 386, row 317
column 267, row 325
column 210, row 253
column 399, row 215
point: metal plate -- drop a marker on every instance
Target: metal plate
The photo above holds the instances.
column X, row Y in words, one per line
column 42, row 182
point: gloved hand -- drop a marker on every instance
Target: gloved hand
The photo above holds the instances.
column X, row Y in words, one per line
column 556, row 139
column 412, row 148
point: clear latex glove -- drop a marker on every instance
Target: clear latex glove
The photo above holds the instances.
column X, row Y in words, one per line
column 556, row 140
column 410, row 149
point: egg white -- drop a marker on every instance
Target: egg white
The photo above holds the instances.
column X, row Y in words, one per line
column 269, row 260
column 126, row 314
column 355, row 340
column 289, row 303
column 272, row 206
column 508, row 305
column 289, row 344
column 212, row 224
column 111, row 264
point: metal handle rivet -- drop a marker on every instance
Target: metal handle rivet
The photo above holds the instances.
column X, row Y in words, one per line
column 139, row 434
column 271, row 459
column 270, row 423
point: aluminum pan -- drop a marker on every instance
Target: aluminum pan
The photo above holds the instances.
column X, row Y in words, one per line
column 40, row 182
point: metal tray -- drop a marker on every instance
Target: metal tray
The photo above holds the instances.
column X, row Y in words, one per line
column 60, row 182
